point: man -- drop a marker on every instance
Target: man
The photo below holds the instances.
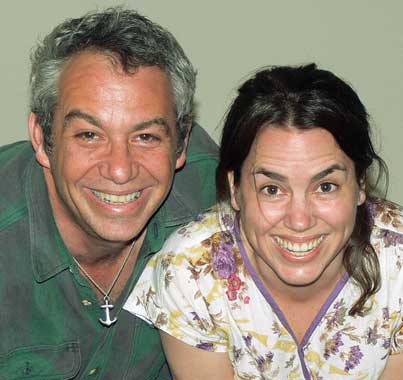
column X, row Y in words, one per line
column 81, row 212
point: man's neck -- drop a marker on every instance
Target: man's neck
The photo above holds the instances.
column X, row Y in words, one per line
column 111, row 272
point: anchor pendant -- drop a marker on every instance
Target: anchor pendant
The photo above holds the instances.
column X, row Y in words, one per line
column 107, row 306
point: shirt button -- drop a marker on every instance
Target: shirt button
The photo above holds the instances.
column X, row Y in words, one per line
column 93, row 371
column 86, row 303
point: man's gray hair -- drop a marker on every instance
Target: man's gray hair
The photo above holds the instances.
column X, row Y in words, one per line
column 128, row 38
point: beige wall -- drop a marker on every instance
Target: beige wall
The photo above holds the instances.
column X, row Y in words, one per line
column 362, row 41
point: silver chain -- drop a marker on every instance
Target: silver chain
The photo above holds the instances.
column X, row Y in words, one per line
column 106, row 294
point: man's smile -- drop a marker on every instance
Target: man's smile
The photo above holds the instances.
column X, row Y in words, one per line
column 117, row 199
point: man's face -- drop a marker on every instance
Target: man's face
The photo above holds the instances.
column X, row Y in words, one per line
column 297, row 197
column 114, row 156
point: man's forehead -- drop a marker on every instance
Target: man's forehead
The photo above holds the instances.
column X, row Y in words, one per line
column 90, row 71
column 95, row 87
column 109, row 62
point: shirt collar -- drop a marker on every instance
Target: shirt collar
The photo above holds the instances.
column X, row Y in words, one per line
column 48, row 251
column 179, row 208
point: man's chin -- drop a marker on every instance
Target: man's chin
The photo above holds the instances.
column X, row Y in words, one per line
column 119, row 236
column 115, row 231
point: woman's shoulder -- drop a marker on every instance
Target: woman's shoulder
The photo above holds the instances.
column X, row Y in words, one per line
column 216, row 221
column 387, row 214
column 387, row 218
column 387, row 240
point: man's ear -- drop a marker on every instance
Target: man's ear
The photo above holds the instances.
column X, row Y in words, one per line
column 233, row 191
column 181, row 158
column 37, row 140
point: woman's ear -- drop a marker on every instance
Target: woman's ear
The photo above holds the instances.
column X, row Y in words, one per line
column 362, row 195
column 38, row 141
column 233, row 191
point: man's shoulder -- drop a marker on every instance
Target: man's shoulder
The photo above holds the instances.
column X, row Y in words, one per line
column 193, row 188
column 201, row 145
column 14, row 159
column 13, row 151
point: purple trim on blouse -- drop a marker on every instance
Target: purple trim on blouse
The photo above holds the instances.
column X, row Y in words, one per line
column 258, row 281
column 325, row 307
column 333, row 295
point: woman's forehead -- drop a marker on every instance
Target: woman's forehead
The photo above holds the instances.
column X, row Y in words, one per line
column 285, row 148
column 289, row 143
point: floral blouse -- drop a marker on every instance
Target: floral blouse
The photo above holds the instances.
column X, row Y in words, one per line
column 202, row 289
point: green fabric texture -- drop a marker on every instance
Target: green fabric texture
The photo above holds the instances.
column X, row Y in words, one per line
column 49, row 313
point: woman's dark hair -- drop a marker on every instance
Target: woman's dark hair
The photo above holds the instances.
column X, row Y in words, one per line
column 306, row 97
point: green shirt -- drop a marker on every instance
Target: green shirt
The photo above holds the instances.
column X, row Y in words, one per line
column 49, row 326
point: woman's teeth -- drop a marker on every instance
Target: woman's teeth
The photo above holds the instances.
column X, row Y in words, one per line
column 299, row 248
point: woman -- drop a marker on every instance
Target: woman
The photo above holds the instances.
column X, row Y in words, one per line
column 298, row 272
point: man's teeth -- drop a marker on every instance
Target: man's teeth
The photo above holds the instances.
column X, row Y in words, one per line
column 117, row 199
column 299, row 248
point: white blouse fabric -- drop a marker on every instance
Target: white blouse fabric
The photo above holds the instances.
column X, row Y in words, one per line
column 201, row 289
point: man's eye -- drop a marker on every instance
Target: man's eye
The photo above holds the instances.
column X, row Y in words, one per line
column 87, row 136
column 148, row 139
column 327, row 187
column 271, row 190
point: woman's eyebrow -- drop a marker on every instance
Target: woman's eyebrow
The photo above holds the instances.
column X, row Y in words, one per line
column 282, row 178
column 328, row 171
column 270, row 174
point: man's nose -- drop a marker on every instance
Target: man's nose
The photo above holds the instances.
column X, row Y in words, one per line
column 119, row 164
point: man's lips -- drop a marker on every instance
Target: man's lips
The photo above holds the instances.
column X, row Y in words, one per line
column 117, row 199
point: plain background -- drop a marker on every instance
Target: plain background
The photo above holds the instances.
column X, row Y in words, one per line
column 360, row 41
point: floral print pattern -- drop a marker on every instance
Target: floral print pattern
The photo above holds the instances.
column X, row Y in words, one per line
column 199, row 290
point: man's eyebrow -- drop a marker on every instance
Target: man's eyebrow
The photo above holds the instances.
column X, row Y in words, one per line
column 160, row 121
column 78, row 114
column 279, row 177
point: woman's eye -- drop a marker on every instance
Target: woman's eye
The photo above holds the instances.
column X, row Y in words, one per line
column 327, row 187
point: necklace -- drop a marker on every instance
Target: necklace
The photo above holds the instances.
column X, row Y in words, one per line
column 106, row 305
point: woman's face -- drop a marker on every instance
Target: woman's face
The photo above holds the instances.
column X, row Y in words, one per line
column 298, row 195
